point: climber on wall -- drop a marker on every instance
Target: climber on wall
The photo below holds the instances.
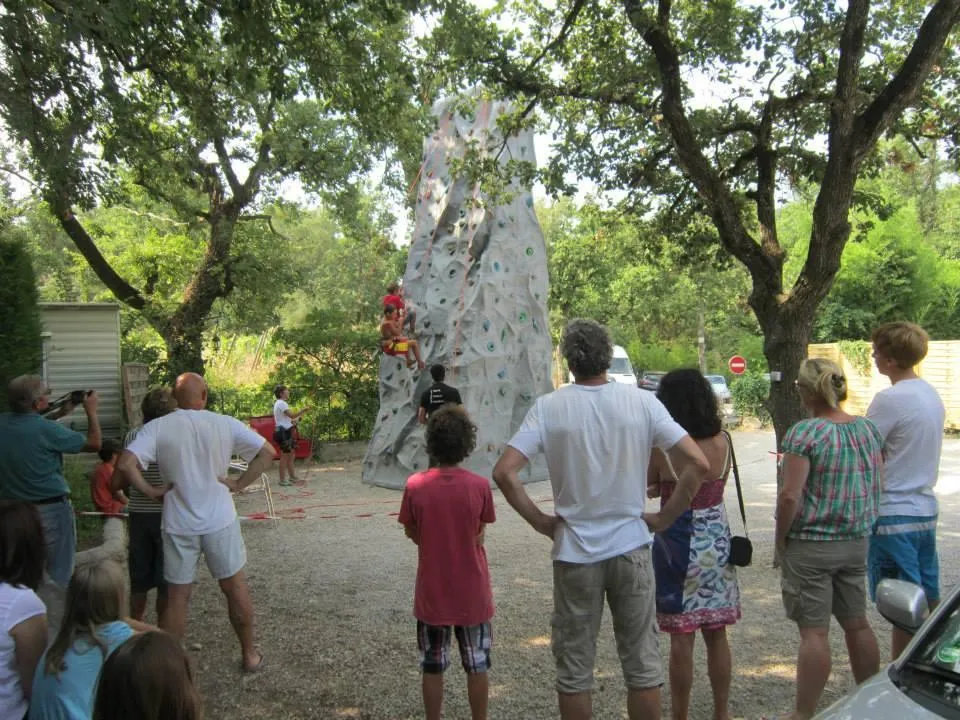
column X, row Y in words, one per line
column 394, row 342
column 395, row 297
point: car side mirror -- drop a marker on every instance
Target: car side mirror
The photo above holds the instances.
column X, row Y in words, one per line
column 903, row 604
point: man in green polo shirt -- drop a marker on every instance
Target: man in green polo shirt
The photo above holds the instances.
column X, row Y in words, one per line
column 31, row 465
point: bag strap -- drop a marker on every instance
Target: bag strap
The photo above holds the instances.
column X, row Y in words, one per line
column 736, row 478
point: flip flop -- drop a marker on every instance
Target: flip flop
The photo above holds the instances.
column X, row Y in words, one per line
column 255, row 668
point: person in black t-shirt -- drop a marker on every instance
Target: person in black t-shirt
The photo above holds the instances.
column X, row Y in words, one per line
column 437, row 395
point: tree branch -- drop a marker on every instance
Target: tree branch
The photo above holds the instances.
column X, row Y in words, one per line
column 268, row 218
column 226, row 165
column 903, row 87
column 121, row 289
column 183, row 208
column 764, row 269
column 568, row 23
column 767, row 184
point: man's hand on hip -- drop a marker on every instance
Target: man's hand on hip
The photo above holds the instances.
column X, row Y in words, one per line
column 547, row 525
column 656, row 522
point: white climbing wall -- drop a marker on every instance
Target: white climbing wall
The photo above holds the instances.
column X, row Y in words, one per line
column 477, row 278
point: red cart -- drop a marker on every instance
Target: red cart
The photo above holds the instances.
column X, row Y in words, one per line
column 265, row 425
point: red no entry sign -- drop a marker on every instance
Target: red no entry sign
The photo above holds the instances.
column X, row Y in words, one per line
column 737, row 365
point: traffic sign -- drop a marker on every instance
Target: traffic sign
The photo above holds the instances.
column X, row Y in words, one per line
column 737, row 365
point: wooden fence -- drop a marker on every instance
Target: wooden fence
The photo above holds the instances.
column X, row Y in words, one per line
column 941, row 368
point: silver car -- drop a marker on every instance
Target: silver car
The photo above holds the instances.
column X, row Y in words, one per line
column 924, row 682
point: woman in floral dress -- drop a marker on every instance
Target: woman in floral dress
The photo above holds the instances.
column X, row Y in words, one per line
column 696, row 586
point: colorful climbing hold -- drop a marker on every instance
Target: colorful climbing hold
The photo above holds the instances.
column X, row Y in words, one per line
column 529, row 252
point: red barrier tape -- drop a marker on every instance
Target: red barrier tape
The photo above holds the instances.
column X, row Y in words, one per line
column 297, row 513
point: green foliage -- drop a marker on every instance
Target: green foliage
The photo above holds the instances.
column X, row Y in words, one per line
column 662, row 356
column 194, row 120
column 332, row 367
column 20, row 325
column 750, row 392
column 76, row 471
column 859, row 353
column 901, row 262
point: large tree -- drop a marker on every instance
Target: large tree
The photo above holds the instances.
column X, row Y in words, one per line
column 209, row 107
column 711, row 108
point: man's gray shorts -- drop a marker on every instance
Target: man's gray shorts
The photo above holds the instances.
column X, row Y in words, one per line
column 627, row 582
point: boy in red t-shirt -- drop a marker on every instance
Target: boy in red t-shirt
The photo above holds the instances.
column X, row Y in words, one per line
column 105, row 500
column 444, row 511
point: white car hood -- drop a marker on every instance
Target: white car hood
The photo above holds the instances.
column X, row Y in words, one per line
column 877, row 699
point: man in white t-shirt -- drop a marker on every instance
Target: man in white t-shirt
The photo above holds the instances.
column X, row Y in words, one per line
column 910, row 416
column 192, row 448
column 597, row 438
column 284, row 420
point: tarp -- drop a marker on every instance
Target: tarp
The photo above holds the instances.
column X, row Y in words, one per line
column 476, row 277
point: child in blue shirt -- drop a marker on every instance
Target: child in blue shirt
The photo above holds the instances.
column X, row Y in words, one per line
column 93, row 627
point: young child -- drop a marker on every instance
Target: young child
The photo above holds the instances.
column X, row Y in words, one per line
column 105, row 500
column 148, row 678
column 405, row 314
column 93, row 627
column 444, row 511
column 394, row 342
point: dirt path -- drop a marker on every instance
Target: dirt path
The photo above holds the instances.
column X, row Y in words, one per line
column 333, row 594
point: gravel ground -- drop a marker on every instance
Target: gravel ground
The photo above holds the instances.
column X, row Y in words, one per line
column 333, row 596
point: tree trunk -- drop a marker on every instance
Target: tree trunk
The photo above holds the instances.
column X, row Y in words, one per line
column 785, row 340
column 183, row 334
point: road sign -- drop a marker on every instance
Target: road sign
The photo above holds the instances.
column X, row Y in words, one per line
column 737, row 365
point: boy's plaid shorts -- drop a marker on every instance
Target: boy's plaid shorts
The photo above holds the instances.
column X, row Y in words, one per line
column 433, row 641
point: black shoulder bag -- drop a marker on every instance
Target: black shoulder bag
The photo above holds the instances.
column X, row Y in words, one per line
column 741, row 549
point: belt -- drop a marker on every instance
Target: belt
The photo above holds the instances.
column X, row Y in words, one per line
column 49, row 500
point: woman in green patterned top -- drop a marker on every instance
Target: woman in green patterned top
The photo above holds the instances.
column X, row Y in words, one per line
column 826, row 509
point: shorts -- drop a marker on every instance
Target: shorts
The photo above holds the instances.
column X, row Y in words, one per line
column 820, row 578
column 223, row 550
column 145, row 552
column 396, row 347
column 283, row 437
column 905, row 548
column 433, row 642
column 627, row 582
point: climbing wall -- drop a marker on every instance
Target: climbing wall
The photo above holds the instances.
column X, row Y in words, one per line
column 477, row 280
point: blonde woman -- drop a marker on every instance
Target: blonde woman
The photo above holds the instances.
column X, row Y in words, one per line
column 826, row 510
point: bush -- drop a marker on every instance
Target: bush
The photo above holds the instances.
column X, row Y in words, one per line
column 20, row 326
column 750, row 392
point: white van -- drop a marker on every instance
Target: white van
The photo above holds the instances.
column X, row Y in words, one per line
column 621, row 370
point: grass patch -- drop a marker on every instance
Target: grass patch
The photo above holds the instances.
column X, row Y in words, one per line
column 76, row 469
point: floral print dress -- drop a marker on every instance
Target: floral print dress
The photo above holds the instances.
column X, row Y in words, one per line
column 696, row 585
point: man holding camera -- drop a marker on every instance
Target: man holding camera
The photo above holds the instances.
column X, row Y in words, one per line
column 31, row 463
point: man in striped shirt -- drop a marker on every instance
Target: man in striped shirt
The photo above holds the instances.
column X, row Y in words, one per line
column 145, row 548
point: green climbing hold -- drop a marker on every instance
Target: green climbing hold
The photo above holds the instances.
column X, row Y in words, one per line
column 529, row 252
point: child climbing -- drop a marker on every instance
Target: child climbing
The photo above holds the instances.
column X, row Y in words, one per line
column 394, row 342
column 405, row 313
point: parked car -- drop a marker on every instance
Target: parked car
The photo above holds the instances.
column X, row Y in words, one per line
column 720, row 389
column 924, row 682
column 650, row 380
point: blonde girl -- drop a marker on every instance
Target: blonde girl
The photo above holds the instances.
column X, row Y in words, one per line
column 93, row 627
